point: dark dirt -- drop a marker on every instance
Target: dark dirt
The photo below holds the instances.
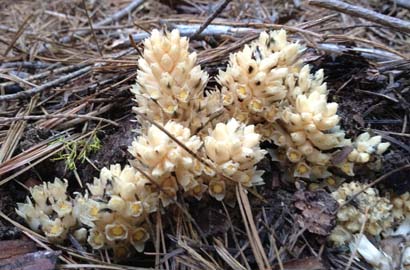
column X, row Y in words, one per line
column 114, row 149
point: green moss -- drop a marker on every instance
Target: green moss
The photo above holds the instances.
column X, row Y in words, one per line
column 77, row 151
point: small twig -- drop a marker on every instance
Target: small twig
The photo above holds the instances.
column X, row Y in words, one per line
column 26, row 64
column 188, row 31
column 46, row 86
column 46, row 73
column 92, row 29
column 4, row 120
column 221, row 7
column 364, row 13
column 115, row 17
column 18, row 34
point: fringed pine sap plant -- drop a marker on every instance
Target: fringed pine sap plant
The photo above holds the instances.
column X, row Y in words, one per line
column 266, row 93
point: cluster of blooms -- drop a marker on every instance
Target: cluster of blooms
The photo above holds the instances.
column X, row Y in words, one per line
column 50, row 210
column 267, row 85
column 170, row 86
column 180, row 151
column 169, row 90
column 112, row 215
column 351, row 216
column 266, row 93
column 230, row 151
column 387, row 213
column 401, row 206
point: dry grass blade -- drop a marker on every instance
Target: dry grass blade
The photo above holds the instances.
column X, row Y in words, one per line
column 158, row 240
column 91, row 28
column 29, row 155
column 253, row 235
column 198, row 257
column 31, row 165
column 18, row 34
column 100, row 266
column 15, row 133
column 4, row 120
column 226, row 256
column 235, row 238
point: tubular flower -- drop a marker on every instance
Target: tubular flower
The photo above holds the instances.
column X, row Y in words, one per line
column 53, row 229
column 118, row 202
column 253, row 84
column 96, row 239
column 365, row 145
column 233, row 149
column 351, row 217
column 161, row 155
column 169, row 83
column 116, row 231
column 50, row 201
column 138, row 238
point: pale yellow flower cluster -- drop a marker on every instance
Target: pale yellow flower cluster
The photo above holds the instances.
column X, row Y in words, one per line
column 170, row 85
column 351, row 217
column 112, row 215
column 401, row 206
column 233, row 150
column 49, row 211
column 267, row 85
column 170, row 91
column 188, row 148
column 183, row 152
column 168, row 164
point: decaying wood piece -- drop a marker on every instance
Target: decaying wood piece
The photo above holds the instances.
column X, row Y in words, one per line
column 12, row 248
column 364, row 13
column 310, row 263
column 40, row 260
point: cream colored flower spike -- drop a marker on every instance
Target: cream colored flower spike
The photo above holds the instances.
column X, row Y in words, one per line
column 351, row 217
column 234, row 150
column 168, row 163
column 267, row 85
column 254, row 82
column 108, row 217
column 169, row 84
column 50, row 211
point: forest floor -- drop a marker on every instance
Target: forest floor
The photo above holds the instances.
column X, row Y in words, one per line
column 64, row 84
